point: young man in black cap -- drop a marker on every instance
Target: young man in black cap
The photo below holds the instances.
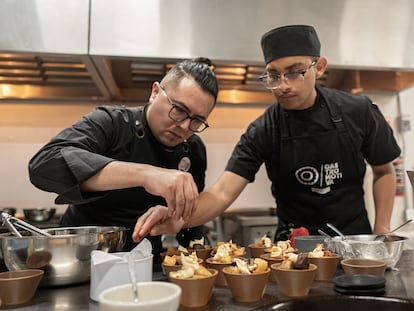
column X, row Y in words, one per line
column 314, row 142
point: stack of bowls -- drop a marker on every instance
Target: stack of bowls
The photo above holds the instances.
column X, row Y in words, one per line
column 360, row 285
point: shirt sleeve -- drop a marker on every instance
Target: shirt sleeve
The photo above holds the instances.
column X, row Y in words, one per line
column 73, row 156
column 380, row 146
column 248, row 154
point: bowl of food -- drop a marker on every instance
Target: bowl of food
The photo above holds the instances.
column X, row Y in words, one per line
column 175, row 263
column 65, row 255
column 247, row 282
column 228, row 248
column 326, row 261
column 18, row 287
column 365, row 246
column 295, row 275
column 39, row 214
column 160, row 296
column 258, row 248
column 203, row 250
column 195, row 280
column 223, row 255
column 363, row 266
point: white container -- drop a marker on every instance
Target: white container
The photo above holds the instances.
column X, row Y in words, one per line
column 109, row 270
column 157, row 296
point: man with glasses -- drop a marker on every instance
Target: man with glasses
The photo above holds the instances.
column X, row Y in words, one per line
column 117, row 162
column 314, row 142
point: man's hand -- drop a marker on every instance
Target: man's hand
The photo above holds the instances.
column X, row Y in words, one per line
column 179, row 190
column 156, row 221
column 176, row 187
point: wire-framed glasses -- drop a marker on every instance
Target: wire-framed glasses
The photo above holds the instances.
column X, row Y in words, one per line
column 272, row 81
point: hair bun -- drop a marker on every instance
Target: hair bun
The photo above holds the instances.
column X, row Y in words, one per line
column 203, row 60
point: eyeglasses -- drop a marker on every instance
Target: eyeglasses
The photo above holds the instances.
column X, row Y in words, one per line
column 272, row 81
column 178, row 114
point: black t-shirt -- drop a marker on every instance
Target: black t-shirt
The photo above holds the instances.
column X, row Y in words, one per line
column 370, row 134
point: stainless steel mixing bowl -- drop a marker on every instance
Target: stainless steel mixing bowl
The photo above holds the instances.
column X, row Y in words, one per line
column 365, row 246
column 65, row 256
column 39, row 214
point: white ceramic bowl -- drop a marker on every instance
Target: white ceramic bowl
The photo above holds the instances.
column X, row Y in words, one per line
column 106, row 274
column 160, row 296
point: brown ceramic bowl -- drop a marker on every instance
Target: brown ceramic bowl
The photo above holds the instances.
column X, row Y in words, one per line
column 195, row 292
column 271, row 261
column 256, row 251
column 169, row 268
column 327, row 267
column 220, row 280
column 202, row 253
column 364, row 266
column 292, row 282
column 246, row 287
column 18, row 287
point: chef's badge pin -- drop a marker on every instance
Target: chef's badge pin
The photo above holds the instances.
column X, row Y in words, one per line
column 184, row 164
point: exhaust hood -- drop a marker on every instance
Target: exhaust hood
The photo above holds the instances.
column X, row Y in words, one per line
column 112, row 51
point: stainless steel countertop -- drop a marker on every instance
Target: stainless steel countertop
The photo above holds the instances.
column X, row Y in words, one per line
column 399, row 284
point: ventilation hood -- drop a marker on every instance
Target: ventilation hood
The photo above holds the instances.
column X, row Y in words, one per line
column 112, row 51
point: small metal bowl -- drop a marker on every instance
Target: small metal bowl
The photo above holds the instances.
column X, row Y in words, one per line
column 39, row 214
column 9, row 210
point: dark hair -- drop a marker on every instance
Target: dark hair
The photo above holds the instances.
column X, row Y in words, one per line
column 200, row 69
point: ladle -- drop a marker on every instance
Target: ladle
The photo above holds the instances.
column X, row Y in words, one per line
column 382, row 237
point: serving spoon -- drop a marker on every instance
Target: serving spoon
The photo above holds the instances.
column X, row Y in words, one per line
column 383, row 237
column 131, row 268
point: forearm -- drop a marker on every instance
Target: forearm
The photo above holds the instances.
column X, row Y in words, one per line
column 384, row 185
column 177, row 188
column 118, row 175
column 216, row 199
column 209, row 209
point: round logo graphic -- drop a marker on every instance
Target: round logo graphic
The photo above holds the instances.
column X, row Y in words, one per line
column 184, row 164
column 307, row 175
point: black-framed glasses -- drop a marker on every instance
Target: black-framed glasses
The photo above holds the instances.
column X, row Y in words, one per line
column 272, row 81
column 179, row 115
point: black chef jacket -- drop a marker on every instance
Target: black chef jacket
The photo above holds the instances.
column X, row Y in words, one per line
column 315, row 159
column 106, row 134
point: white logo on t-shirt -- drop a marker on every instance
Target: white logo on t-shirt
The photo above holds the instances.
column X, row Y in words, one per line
column 320, row 181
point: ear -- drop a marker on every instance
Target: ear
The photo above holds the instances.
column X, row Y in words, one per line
column 321, row 66
column 155, row 89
